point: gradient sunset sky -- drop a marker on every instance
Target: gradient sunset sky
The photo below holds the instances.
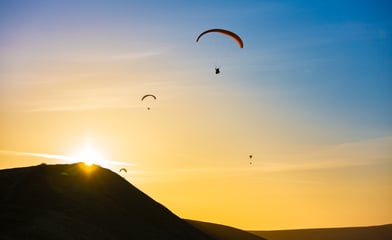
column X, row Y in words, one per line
column 309, row 96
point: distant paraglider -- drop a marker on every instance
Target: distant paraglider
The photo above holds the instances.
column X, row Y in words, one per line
column 228, row 33
column 149, row 95
column 123, row 169
column 250, row 158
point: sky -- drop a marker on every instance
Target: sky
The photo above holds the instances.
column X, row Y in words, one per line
column 309, row 97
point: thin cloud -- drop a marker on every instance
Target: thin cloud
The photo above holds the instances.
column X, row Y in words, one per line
column 118, row 97
column 116, row 57
column 63, row 158
column 274, row 167
column 77, row 108
column 345, row 155
column 40, row 155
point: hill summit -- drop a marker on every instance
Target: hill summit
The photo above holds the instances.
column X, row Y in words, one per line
column 76, row 201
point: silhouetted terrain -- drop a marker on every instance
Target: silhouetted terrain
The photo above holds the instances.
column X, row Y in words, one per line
column 383, row 232
column 68, row 202
column 221, row 232
column 73, row 201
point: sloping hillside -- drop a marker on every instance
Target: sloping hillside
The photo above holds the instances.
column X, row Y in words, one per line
column 80, row 202
column 383, row 232
column 221, row 232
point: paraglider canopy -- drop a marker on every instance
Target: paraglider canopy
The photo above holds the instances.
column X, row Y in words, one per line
column 224, row 32
column 149, row 95
column 123, row 169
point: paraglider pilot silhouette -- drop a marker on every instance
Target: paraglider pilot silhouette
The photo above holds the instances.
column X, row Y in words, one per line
column 217, row 70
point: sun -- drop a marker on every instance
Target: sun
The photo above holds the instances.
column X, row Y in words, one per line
column 89, row 155
column 92, row 155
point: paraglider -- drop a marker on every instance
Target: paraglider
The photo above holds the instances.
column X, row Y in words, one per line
column 228, row 33
column 123, row 169
column 149, row 95
column 250, row 158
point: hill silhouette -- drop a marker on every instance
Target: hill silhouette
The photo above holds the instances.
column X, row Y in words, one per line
column 75, row 201
column 383, row 232
column 222, row 232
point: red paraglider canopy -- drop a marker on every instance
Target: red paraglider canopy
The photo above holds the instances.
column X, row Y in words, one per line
column 225, row 32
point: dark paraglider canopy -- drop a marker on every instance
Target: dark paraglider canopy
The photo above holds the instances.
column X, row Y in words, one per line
column 149, row 95
column 123, row 169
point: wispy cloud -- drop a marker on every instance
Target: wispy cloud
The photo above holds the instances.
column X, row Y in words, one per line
column 85, row 98
column 345, row 155
column 83, row 107
column 62, row 158
column 117, row 57
column 262, row 167
column 40, row 155
column 120, row 96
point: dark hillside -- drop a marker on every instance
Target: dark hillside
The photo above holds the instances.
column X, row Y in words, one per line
column 383, row 232
column 222, row 232
column 76, row 201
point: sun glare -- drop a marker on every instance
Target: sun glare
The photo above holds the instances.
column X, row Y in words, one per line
column 89, row 156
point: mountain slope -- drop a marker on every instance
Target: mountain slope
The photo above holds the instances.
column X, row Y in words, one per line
column 75, row 201
column 221, row 232
column 383, row 232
